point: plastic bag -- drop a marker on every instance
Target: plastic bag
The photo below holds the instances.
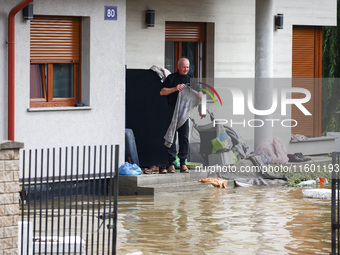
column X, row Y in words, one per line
column 217, row 145
column 307, row 183
column 177, row 162
column 274, row 149
column 222, row 140
column 130, row 169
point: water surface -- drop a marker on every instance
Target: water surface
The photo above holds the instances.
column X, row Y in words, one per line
column 255, row 220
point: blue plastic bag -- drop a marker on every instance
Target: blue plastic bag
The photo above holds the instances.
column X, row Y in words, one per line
column 130, row 169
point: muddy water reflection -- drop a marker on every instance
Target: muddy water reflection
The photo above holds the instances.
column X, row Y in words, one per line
column 256, row 220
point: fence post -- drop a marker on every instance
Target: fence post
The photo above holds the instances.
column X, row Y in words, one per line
column 9, row 196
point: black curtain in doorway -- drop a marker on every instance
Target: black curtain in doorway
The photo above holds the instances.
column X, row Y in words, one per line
column 146, row 115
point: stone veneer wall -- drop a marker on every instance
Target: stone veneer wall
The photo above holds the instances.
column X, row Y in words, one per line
column 9, row 196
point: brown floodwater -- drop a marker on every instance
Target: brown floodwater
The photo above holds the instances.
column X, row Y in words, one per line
column 253, row 220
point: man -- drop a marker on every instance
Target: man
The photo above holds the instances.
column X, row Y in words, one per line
column 172, row 86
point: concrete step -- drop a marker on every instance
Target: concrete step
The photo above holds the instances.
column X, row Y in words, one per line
column 177, row 187
column 150, row 179
column 150, row 184
column 170, row 188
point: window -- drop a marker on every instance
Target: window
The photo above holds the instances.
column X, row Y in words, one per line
column 186, row 39
column 55, row 61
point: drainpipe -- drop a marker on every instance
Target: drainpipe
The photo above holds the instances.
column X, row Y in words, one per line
column 11, row 66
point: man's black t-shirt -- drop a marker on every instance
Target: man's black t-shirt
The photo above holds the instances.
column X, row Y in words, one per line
column 173, row 80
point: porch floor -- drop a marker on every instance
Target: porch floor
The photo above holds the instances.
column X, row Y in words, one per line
column 152, row 184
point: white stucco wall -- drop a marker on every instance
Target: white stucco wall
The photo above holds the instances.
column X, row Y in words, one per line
column 234, row 24
column 103, row 75
column 234, row 47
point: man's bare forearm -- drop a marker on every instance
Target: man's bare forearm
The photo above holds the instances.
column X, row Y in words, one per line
column 168, row 91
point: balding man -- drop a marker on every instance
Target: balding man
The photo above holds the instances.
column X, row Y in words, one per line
column 172, row 85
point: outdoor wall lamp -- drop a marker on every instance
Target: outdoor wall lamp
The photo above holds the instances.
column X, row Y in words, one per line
column 279, row 21
column 150, row 18
column 28, row 12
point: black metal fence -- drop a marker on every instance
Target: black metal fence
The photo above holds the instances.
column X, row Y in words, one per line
column 69, row 200
column 335, row 203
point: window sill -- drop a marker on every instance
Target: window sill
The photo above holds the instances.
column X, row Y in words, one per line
column 52, row 109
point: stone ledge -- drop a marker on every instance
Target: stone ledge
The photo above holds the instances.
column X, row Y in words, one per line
column 9, row 145
column 314, row 139
column 312, row 146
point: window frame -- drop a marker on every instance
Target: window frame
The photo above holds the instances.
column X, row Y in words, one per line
column 179, row 32
column 48, row 100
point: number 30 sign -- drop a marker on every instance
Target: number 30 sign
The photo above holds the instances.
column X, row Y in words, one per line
column 110, row 13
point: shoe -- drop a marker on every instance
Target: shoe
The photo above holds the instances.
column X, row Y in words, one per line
column 300, row 155
column 147, row 171
column 162, row 170
column 184, row 169
column 171, row 169
column 294, row 158
column 151, row 170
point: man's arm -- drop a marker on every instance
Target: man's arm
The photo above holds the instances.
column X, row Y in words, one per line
column 168, row 91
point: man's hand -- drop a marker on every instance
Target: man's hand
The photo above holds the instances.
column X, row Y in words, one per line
column 199, row 95
column 179, row 87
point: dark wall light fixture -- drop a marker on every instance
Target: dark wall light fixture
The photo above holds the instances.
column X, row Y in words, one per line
column 28, row 12
column 279, row 21
column 150, row 18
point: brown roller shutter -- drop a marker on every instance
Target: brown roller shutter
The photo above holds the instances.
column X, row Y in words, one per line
column 185, row 32
column 55, row 39
column 307, row 64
